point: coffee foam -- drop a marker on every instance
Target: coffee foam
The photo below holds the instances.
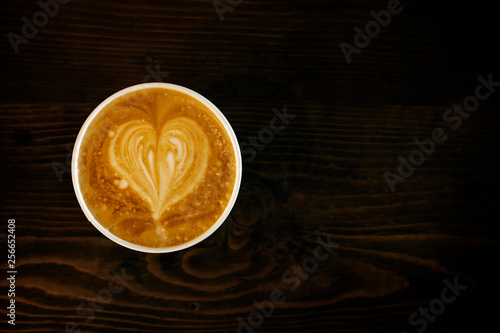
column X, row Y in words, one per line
column 157, row 168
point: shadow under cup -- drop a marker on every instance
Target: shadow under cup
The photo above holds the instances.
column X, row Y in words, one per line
column 234, row 145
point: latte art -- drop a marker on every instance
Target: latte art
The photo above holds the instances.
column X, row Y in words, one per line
column 156, row 167
column 162, row 167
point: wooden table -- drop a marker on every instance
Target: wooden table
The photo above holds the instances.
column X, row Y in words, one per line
column 319, row 240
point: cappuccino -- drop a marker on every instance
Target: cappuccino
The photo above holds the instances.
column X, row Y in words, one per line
column 157, row 167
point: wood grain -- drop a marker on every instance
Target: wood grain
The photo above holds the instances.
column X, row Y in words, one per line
column 322, row 176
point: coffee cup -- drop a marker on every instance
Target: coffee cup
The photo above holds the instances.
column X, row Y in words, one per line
column 156, row 167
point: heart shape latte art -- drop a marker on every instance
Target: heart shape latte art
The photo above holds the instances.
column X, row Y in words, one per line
column 161, row 166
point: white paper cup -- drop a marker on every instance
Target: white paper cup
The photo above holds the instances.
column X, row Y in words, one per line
column 106, row 232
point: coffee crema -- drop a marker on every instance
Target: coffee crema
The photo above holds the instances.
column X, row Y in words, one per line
column 156, row 167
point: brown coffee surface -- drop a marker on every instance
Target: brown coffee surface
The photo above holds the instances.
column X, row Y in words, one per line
column 156, row 167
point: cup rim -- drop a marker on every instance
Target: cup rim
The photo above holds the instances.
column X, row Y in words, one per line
column 215, row 111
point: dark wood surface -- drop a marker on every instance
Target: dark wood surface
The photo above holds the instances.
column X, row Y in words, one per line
column 322, row 176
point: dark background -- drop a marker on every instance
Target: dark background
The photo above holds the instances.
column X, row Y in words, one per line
column 323, row 175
